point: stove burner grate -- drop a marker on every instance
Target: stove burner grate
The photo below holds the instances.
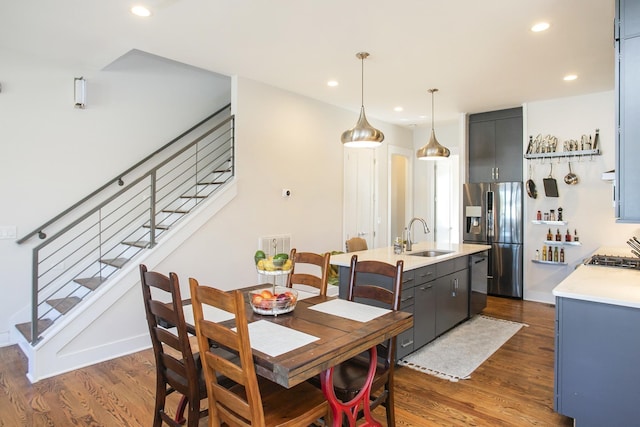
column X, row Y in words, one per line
column 614, row 261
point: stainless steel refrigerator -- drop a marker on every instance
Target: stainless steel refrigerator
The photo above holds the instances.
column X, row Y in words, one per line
column 493, row 216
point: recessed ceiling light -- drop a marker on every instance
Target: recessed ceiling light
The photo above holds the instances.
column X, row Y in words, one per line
column 332, row 83
column 140, row 11
column 398, row 109
column 540, row 26
column 570, row 77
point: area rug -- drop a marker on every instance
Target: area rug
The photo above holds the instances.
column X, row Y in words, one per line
column 459, row 352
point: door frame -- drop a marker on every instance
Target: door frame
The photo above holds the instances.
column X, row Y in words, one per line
column 404, row 152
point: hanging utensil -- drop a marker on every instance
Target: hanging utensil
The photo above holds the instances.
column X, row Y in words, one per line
column 531, row 186
column 550, row 184
column 571, row 178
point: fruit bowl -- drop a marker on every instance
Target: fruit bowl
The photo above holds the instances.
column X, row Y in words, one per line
column 273, row 301
column 273, row 266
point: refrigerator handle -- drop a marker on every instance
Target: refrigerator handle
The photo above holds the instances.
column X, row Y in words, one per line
column 490, row 265
column 489, row 214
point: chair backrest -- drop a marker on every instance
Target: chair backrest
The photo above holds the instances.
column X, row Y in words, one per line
column 369, row 288
column 177, row 368
column 355, row 244
column 306, row 278
column 225, row 405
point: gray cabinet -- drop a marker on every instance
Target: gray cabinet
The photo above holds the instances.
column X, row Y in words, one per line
column 597, row 380
column 495, row 146
column 424, row 317
column 451, row 300
column 628, row 111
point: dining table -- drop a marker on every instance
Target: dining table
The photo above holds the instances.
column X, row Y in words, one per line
column 320, row 333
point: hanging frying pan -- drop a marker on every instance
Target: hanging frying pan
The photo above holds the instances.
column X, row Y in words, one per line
column 550, row 184
column 532, row 191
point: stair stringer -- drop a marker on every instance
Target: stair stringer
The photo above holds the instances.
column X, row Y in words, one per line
column 112, row 322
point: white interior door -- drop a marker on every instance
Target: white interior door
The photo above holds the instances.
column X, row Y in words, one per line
column 359, row 194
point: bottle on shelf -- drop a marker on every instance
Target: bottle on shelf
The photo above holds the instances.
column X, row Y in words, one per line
column 575, row 236
column 567, row 237
column 558, row 236
column 562, row 255
column 550, row 254
column 555, row 254
column 549, row 235
column 544, row 253
column 537, row 255
column 539, row 216
column 559, row 214
column 552, row 215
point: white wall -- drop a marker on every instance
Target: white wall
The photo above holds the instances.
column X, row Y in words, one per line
column 588, row 205
column 284, row 140
column 53, row 154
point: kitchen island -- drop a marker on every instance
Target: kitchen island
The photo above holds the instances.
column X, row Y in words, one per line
column 436, row 289
column 597, row 380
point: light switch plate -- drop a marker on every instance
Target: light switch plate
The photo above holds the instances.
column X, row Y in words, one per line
column 8, row 231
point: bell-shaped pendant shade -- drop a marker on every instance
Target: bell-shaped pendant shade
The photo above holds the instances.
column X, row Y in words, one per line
column 432, row 150
column 362, row 135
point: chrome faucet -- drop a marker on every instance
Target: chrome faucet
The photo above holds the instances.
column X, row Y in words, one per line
column 424, row 226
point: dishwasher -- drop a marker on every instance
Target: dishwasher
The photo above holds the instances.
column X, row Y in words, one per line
column 478, row 264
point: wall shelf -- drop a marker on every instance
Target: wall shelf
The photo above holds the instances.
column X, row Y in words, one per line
column 561, row 154
column 550, row 222
column 538, row 261
column 556, row 243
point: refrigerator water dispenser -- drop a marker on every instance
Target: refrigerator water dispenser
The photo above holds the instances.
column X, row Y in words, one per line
column 473, row 215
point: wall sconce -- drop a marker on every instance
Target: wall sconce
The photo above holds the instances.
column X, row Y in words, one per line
column 79, row 92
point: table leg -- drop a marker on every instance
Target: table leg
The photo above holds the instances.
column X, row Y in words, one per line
column 350, row 408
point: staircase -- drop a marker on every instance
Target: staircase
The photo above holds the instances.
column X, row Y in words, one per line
column 88, row 246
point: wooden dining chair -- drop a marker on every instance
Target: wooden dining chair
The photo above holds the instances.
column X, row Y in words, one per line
column 355, row 244
column 249, row 402
column 178, row 368
column 366, row 284
column 321, row 263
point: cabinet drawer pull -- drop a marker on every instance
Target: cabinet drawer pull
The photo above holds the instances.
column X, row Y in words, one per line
column 406, row 344
column 424, row 288
column 406, row 299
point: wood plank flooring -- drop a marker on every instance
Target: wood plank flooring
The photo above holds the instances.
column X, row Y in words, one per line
column 514, row 387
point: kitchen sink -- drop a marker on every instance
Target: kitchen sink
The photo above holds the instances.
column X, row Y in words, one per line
column 429, row 253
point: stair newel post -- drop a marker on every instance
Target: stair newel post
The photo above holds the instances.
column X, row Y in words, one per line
column 152, row 210
column 34, row 297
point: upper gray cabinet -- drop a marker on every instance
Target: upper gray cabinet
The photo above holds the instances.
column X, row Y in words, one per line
column 627, row 41
column 495, row 146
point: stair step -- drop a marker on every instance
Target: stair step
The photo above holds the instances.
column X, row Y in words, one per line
column 176, row 211
column 138, row 243
column 90, row 282
column 63, row 305
column 25, row 328
column 196, row 196
column 211, row 182
column 115, row 262
column 158, row 226
column 222, row 170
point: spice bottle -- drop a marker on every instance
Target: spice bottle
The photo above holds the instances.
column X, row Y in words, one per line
column 567, row 237
column 537, row 257
column 544, row 253
column 558, row 236
column 550, row 254
column 575, row 236
column 555, row 254
column 562, row 255
column 549, row 235
column 539, row 216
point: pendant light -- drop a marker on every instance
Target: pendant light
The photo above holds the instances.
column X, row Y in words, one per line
column 432, row 150
column 362, row 135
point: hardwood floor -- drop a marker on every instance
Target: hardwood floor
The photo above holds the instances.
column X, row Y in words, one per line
column 514, row 387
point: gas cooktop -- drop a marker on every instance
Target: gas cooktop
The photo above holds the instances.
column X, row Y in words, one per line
column 613, row 261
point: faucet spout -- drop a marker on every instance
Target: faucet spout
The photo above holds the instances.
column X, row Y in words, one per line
column 424, row 227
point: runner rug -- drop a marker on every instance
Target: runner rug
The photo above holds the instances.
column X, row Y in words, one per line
column 459, row 352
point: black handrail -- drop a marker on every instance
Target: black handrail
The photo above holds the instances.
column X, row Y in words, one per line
column 117, row 179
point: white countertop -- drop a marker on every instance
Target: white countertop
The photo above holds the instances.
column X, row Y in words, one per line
column 411, row 262
column 609, row 285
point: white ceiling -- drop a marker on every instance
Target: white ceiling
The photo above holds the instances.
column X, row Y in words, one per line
column 481, row 55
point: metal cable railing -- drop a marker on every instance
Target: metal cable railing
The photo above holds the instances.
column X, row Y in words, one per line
column 94, row 238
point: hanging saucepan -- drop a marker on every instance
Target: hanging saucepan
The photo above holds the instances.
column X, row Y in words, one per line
column 531, row 186
column 571, row 178
column 550, row 185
